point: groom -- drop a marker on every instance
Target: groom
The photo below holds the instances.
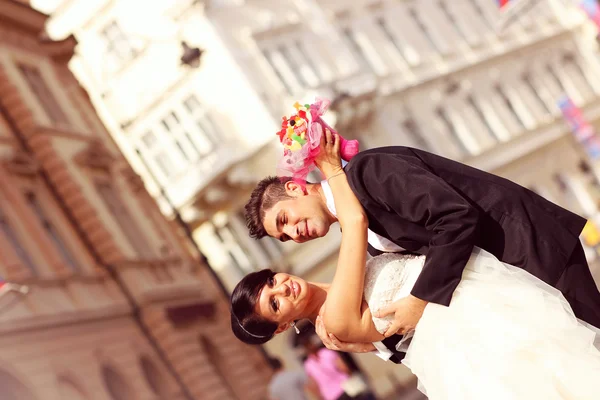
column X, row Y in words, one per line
column 423, row 203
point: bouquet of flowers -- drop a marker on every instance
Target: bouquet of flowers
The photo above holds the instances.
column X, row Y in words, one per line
column 301, row 134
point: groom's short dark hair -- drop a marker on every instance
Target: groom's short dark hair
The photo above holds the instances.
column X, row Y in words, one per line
column 265, row 195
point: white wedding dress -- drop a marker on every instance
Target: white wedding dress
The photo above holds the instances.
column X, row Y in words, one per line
column 505, row 336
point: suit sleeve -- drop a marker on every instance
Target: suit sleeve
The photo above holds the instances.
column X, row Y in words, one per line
column 407, row 187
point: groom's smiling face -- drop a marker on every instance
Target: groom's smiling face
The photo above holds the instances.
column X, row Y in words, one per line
column 300, row 218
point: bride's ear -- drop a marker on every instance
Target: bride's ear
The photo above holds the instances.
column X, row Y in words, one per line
column 282, row 328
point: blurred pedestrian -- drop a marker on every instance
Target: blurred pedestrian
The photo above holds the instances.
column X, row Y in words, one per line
column 332, row 375
column 288, row 384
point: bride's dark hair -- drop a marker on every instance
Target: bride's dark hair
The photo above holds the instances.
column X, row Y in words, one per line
column 246, row 324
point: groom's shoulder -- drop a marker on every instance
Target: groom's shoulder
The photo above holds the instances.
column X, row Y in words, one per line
column 380, row 153
column 386, row 150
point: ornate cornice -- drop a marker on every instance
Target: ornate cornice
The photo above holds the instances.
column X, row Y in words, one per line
column 22, row 164
column 133, row 179
column 22, row 15
column 96, row 157
column 60, row 50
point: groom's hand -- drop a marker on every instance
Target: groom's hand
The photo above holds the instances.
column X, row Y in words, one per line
column 333, row 343
column 407, row 313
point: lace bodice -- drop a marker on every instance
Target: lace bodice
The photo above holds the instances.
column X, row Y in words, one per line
column 389, row 277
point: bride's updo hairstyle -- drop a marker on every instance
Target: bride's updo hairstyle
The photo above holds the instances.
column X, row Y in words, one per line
column 246, row 325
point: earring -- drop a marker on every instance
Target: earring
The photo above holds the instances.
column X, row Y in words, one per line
column 293, row 325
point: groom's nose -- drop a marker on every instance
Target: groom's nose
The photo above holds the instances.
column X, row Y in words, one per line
column 292, row 232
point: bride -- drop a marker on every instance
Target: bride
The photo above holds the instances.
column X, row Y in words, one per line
column 506, row 334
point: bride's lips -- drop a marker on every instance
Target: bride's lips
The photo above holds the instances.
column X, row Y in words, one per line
column 295, row 289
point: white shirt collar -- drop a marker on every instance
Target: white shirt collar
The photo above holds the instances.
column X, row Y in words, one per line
column 328, row 197
column 378, row 242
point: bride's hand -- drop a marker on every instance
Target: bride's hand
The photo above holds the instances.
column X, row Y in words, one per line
column 329, row 160
column 333, row 343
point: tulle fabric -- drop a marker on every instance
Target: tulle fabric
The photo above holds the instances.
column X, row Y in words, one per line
column 298, row 164
column 505, row 336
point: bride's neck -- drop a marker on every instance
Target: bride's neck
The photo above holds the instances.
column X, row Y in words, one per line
column 319, row 295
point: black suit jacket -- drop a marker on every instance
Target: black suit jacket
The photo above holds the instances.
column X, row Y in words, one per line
column 441, row 208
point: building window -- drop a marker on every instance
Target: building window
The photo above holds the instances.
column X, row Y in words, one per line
column 510, row 106
column 556, row 79
column 164, row 164
column 358, row 51
column 406, row 53
column 282, row 70
column 272, row 249
column 123, row 218
column 119, row 48
column 248, row 255
column 51, row 231
column 116, row 385
column 289, row 60
column 482, row 116
column 14, row 240
column 180, row 136
column 186, row 135
column 450, row 17
column 218, row 361
column 308, row 66
column 154, row 377
column 424, row 30
column 297, row 59
column 294, row 67
column 533, row 90
column 209, row 135
column 149, row 139
column 481, row 13
column 236, row 253
column 568, row 193
column 578, row 77
column 451, row 127
column 40, row 89
column 153, row 151
column 415, row 134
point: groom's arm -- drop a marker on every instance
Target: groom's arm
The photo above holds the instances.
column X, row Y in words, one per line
column 405, row 186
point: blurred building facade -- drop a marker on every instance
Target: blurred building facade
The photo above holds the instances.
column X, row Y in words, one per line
column 436, row 75
column 119, row 307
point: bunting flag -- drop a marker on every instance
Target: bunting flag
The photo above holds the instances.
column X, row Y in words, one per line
column 6, row 287
column 592, row 10
column 583, row 131
column 502, row 3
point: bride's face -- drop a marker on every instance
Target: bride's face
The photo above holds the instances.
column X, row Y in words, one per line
column 283, row 299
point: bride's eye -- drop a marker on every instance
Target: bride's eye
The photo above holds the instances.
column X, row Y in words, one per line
column 274, row 305
column 271, row 282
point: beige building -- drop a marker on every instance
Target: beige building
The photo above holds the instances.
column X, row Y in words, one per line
column 432, row 74
column 118, row 307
